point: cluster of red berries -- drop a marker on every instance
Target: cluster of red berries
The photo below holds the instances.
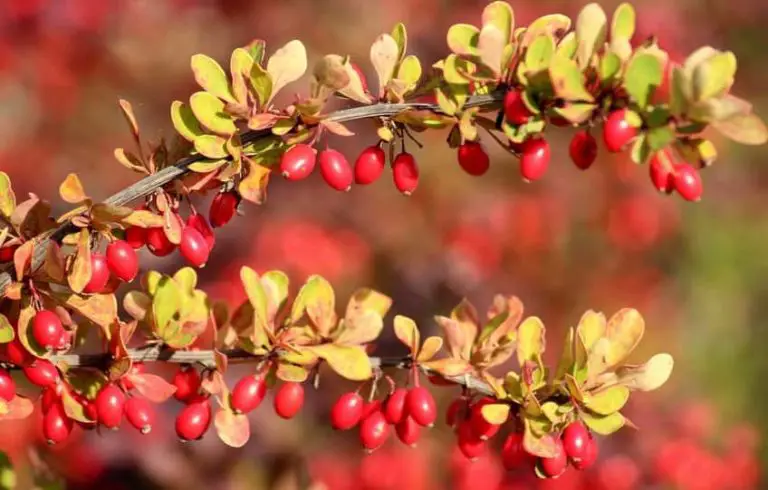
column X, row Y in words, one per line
column 249, row 392
column 408, row 410
column 300, row 161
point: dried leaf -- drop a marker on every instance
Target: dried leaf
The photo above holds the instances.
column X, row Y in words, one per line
column 384, row 57
column 361, row 328
column 448, row 366
column 348, row 361
column 7, row 197
column 649, row 376
column 408, row 333
column 253, row 187
column 233, row 429
column 287, row 65
column 71, row 190
column 625, row 330
column 143, row 219
column 22, row 258
column 101, row 309
column 127, row 110
column 16, row 409
column 591, row 328
column 543, row 446
column 128, row 160
column 80, row 271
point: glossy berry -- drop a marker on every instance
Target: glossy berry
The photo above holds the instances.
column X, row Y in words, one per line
column 193, row 247
column 248, row 393
column 589, row 457
column 187, row 382
column 223, row 208
column 473, row 158
column 481, row 427
column 405, row 173
column 370, row 407
column 198, row 222
column 575, row 440
column 140, row 414
column 42, row 373
column 369, row 165
column 513, row 454
column 298, row 162
column 7, row 253
column 110, row 405
column 347, row 411
column 374, row 431
column 193, row 421
column 158, row 242
column 420, row 405
column 515, row 110
column 583, row 149
column 661, row 171
column 534, row 160
column 471, row 446
column 555, row 466
column 47, row 329
column 454, row 412
column 617, row 131
column 289, row 399
column 99, row 274
column 7, row 386
column 335, row 170
column 394, row 408
column 17, row 354
column 56, row 425
column 136, row 237
column 687, row 181
column 122, row 260
column 408, row 431
column 49, row 397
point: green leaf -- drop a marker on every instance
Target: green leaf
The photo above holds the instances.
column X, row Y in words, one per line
column 256, row 49
column 608, row 400
column 641, row 151
column 7, row 197
column 86, row 381
column 661, row 137
column 623, row 22
column 591, row 29
column 462, row 39
column 210, row 112
column 8, row 478
column 679, row 91
column 240, row 66
column 211, row 146
column 567, row 46
column 643, row 74
column 567, row 360
column 317, row 299
column 539, row 53
column 453, row 69
column 747, row 129
column 256, row 294
column 530, row 340
column 400, row 35
column 649, row 376
column 165, row 303
column 211, row 77
column 501, row 16
column 261, row 84
column 287, row 65
column 7, row 333
column 603, row 424
column 536, row 443
column 348, row 361
column 610, row 66
column 409, row 71
column 567, row 80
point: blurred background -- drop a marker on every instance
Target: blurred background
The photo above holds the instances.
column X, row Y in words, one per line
column 601, row 239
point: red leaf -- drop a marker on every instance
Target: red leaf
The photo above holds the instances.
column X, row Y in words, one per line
column 151, row 386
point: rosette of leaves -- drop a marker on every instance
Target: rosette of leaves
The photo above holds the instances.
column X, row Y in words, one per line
column 170, row 308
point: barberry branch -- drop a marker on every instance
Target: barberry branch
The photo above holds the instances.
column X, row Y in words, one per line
column 151, row 183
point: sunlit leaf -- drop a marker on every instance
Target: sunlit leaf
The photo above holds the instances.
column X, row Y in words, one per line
column 80, row 272
column 408, row 333
column 608, row 400
column 211, row 77
column 350, row 362
column 649, row 376
column 384, row 57
column 603, row 424
column 287, row 65
column 7, row 197
column 233, row 429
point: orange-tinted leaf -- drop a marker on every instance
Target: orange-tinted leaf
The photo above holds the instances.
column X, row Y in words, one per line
column 172, row 225
column 71, row 190
column 253, row 187
column 455, row 337
column 80, row 271
column 448, row 366
column 152, row 387
column 101, row 309
column 24, row 323
column 429, row 348
column 359, row 329
column 408, row 333
column 143, row 219
column 368, row 299
column 22, row 258
column 54, row 262
column 543, row 446
column 18, row 408
column 233, row 429
column 127, row 109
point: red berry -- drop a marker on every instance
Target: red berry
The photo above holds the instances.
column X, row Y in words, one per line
column 369, row 165
column 347, row 411
column 122, row 260
column 158, row 243
column 56, row 425
column 47, row 329
column 555, row 466
column 583, row 149
column 335, row 170
column 589, row 457
column 298, row 162
column 223, row 208
column 99, row 274
column 687, row 182
column 473, row 158
column 136, row 236
column 454, row 412
column 7, row 386
column 140, row 414
column 289, row 400
column 660, row 169
column 193, row 247
column 248, row 393
column 370, row 407
column 420, row 405
column 471, row 446
column 513, row 454
column 405, row 173
column 374, row 431
column 187, row 383
column 49, row 398
column 394, row 408
column 18, row 354
column 575, row 440
column 481, row 427
column 515, row 110
column 110, row 404
column 617, row 131
column 193, row 421
column 535, row 159
column 408, row 431
column 198, row 222
column 42, row 373
column 7, row 253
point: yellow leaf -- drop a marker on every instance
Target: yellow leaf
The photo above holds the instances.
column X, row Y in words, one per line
column 384, row 57
column 22, row 258
column 143, row 219
column 448, row 366
column 591, row 328
column 233, row 429
column 608, row 400
column 495, row 413
column 429, row 348
column 408, row 333
column 127, row 110
column 604, row 425
column 71, row 190
column 649, row 376
column 211, row 77
column 625, row 330
column 291, row 373
column 7, row 197
column 361, row 328
column 24, row 324
column 101, row 309
column 530, row 340
column 80, row 272
column 287, row 65
column 348, row 361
